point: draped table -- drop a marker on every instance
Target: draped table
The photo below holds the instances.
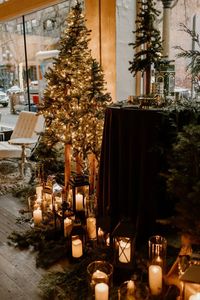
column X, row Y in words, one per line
column 134, row 148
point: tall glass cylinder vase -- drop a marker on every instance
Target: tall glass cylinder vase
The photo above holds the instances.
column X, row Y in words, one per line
column 157, row 251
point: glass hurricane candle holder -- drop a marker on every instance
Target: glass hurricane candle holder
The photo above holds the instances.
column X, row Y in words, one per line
column 157, row 251
column 99, row 272
column 131, row 290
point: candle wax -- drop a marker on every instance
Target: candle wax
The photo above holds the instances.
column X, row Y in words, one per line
column 101, row 291
column 155, row 279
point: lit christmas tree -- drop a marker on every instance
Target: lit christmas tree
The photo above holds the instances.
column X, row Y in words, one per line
column 147, row 43
column 75, row 97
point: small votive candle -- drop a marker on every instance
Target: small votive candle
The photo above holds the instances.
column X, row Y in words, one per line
column 67, row 226
column 37, row 216
column 77, row 247
column 195, row 297
column 91, row 228
column 124, row 251
column 101, row 291
column 79, row 201
column 155, row 279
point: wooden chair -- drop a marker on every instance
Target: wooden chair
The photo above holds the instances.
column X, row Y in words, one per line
column 24, row 137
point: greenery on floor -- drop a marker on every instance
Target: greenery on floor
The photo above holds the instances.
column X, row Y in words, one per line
column 50, row 245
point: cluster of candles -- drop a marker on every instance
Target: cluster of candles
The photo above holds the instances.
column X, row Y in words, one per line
column 43, row 201
column 157, row 247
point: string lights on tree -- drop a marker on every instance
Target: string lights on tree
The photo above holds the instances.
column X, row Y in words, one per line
column 75, row 98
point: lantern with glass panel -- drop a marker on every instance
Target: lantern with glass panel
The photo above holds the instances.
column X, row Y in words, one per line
column 78, row 193
column 123, row 243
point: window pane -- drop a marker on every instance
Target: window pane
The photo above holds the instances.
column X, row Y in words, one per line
column 42, row 33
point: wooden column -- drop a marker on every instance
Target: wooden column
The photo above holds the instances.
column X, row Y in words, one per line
column 93, row 23
column 101, row 19
column 138, row 76
column 108, row 44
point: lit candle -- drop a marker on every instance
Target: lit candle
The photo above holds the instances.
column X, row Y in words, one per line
column 155, row 279
column 39, row 191
column 67, row 226
column 100, row 232
column 55, row 206
column 39, row 199
column 130, row 287
column 99, row 276
column 101, row 291
column 37, row 216
column 79, row 201
column 124, row 251
column 195, row 297
column 77, row 248
column 91, row 228
column 58, row 200
column 48, row 197
column 108, row 240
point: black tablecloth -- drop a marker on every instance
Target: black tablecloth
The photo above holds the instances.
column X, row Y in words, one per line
column 134, row 147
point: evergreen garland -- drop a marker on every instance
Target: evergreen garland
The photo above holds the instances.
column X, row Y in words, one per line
column 184, row 179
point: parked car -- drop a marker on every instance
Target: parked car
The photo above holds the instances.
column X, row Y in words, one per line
column 4, row 99
column 14, row 89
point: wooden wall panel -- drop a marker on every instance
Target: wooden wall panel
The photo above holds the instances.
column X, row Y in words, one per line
column 93, row 23
column 108, row 43
column 101, row 18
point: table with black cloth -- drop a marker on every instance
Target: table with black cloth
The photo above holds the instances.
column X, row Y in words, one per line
column 134, row 148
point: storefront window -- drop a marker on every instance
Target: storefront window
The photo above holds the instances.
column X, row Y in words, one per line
column 22, row 72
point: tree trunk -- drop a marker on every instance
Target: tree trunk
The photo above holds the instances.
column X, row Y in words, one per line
column 148, row 81
column 67, row 165
column 92, row 172
column 79, row 165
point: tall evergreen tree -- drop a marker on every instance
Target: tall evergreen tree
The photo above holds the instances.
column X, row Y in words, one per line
column 148, row 44
column 75, row 97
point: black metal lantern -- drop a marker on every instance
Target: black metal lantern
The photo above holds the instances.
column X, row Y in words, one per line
column 191, row 283
column 79, row 192
column 123, row 243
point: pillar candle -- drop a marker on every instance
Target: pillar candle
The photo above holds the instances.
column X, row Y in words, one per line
column 39, row 199
column 79, row 201
column 101, row 291
column 39, row 191
column 55, row 207
column 37, row 216
column 67, row 226
column 124, row 252
column 91, row 228
column 155, row 279
column 195, row 297
column 77, row 248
